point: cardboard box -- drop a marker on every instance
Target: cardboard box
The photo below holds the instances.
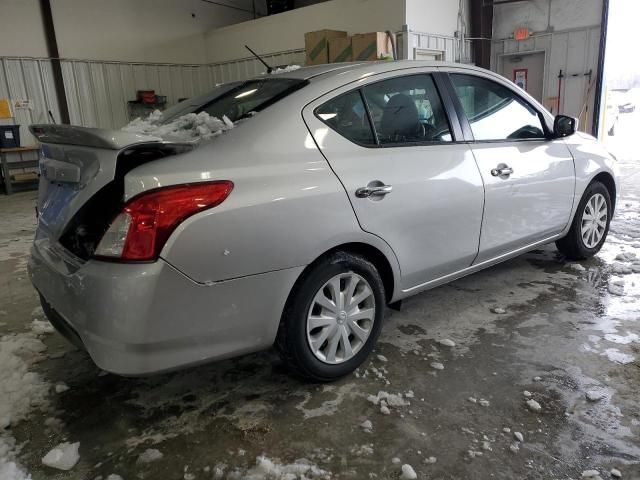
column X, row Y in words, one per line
column 340, row 50
column 316, row 45
column 371, row 46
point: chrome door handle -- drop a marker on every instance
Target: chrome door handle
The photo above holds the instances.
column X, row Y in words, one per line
column 502, row 170
column 378, row 191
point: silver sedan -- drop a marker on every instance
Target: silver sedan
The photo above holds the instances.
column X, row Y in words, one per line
column 339, row 191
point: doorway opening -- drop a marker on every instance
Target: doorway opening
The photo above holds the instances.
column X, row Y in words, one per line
column 620, row 96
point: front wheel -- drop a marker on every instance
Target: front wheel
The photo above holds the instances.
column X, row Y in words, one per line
column 333, row 318
column 590, row 225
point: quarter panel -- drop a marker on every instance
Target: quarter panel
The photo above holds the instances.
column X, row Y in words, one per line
column 286, row 209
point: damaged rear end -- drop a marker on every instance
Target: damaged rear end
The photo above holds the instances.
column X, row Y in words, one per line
column 96, row 304
column 82, row 181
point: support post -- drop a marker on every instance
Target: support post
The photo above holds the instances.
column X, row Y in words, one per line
column 481, row 32
column 56, row 68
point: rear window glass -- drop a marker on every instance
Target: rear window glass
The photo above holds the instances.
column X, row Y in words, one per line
column 251, row 96
column 237, row 100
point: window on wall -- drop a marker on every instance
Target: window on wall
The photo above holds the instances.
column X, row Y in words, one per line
column 347, row 115
column 407, row 110
column 495, row 112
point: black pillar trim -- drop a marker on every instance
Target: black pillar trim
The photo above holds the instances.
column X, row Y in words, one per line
column 600, row 73
column 56, row 68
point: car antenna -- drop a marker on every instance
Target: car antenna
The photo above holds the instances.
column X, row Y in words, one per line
column 269, row 69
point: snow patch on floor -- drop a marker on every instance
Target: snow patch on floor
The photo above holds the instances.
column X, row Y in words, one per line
column 63, row 456
column 408, row 473
column 149, row 455
column 20, row 391
column 268, row 469
column 533, row 406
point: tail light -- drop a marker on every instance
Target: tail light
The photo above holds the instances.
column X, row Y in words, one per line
column 140, row 231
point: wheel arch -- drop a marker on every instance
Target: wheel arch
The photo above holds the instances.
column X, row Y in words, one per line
column 368, row 251
column 609, row 182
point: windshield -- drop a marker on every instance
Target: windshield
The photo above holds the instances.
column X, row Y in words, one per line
column 236, row 100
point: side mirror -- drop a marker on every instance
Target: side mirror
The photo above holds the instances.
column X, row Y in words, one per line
column 564, row 126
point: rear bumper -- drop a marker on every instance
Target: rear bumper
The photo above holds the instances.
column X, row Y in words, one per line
column 137, row 319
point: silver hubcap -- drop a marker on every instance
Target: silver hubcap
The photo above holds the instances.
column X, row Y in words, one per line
column 594, row 220
column 341, row 318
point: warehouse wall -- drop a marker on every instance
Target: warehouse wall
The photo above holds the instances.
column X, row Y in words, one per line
column 140, row 30
column 103, row 70
column 439, row 17
column 286, row 30
column 21, row 32
column 98, row 92
column 567, row 32
column 535, row 14
column 437, row 26
column 118, row 30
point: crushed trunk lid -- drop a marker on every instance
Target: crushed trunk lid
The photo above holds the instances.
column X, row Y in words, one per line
column 82, row 180
column 89, row 137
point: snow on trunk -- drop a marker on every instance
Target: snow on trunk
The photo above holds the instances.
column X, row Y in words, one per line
column 192, row 127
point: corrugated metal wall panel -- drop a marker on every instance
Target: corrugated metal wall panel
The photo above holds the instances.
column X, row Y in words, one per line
column 85, row 89
column 101, row 94
column 116, row 97
column 25, row 79
column 49, row 89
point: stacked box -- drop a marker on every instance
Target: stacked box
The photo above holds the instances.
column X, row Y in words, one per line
column 317, row 45
column 372, row 46
column 340, row 50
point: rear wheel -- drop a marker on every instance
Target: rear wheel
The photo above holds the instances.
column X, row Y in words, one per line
column 333, row 317
column 590, row 225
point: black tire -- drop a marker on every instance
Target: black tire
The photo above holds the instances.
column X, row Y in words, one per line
column 291, row 341
column 573, row 246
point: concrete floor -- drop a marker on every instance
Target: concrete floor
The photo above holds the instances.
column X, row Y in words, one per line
column 563, row 334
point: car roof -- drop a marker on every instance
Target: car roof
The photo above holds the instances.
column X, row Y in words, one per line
column 335, row 69
column 330, row 76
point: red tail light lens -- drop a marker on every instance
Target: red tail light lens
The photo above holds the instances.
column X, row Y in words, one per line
column 140, row 231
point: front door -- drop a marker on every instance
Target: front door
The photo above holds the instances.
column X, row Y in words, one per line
column 529, row 179
column 407, row 181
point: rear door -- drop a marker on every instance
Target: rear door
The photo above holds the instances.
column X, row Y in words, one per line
column 395, row 148
column 529, row 178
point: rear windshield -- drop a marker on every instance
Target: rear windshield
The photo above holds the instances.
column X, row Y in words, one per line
column 237, row 100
